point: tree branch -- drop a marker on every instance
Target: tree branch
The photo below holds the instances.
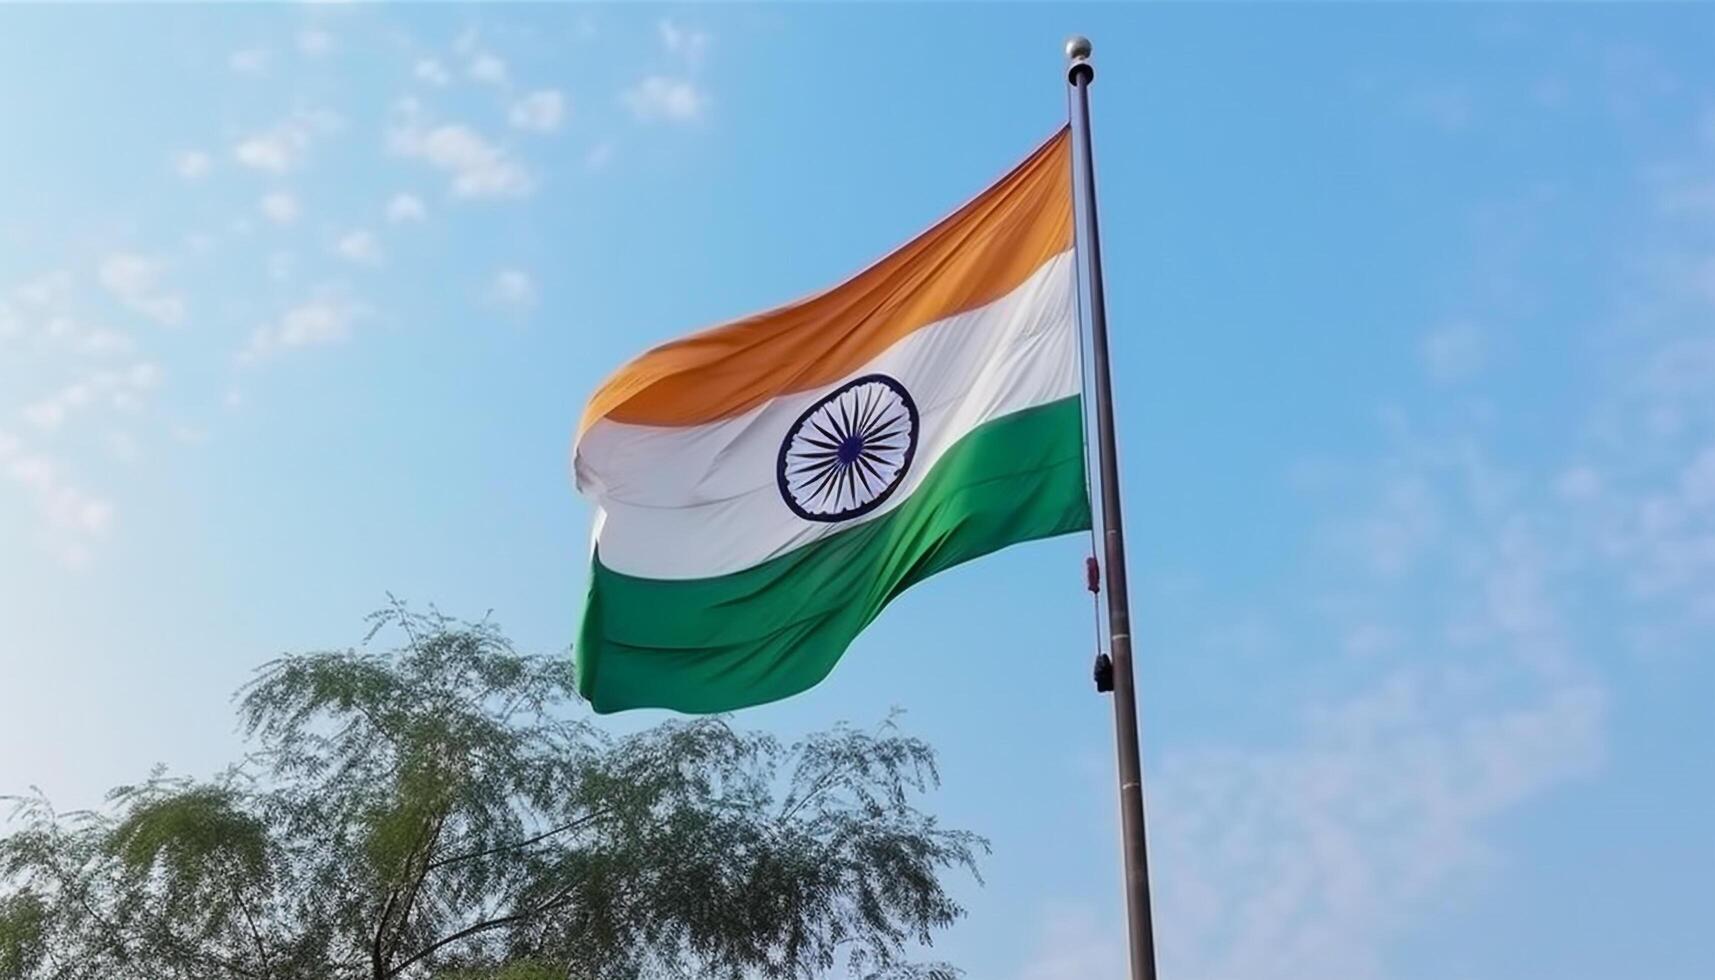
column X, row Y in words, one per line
column 255, row 934
column 822, row 783
column 518, row 845
column 378, row 954
column 378, row 965
column 486, row 925
column 440, row 822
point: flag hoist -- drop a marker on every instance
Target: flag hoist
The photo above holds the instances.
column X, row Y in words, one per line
column 764, row 488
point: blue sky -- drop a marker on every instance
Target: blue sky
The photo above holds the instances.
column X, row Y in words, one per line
column 1414, row 328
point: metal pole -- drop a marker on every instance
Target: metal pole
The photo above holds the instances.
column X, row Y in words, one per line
column 1079, row 74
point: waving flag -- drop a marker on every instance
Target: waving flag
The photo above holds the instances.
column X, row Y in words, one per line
column 765, row 488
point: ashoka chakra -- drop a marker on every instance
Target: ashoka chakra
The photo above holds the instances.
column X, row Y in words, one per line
column 848, row 452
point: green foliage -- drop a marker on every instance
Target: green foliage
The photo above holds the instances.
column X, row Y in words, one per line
column 22, row 924
column 436, row 812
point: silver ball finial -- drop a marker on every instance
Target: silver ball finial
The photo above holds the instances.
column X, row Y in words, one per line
column 1078, row 48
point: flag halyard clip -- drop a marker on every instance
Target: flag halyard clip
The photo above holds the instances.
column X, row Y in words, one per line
column 1103, row 672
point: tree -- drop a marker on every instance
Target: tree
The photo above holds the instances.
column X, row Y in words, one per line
column 436, row 811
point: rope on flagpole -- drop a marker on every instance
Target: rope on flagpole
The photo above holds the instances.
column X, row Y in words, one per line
column 1102, row 671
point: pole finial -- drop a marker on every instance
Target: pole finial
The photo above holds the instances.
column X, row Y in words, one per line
column 1078, row 49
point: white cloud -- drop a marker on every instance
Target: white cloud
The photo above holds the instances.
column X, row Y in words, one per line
column 1687, row 197
column 541, row 111
column 136, row 281
column 102, row 342
column 513, row 288
column 71, row 516
column 487, row 67
column 192, row 164
column 1701, row 279
column 278, row 207
column 431, row 71
column 1448, row 107
column 599, row 155
column 1580, row 483
column 275, row 152
column 1302, row 861
column 479, row 169
column 123, row 446
column 48, row 289
column 248, row 61
column 118, row 390
column 681, row 42
column 47, row 413
column 281, row 148
column 280, row 265
column 47, row 292
column 42, row 309
column 359, row 246
column 1394, row 537
column 315, row 42
column 189, row 435
column 659, row 97
column 406, row 207
column 1454, row 352
column 1077, row 942
column 319, row 322
column 1370, row 639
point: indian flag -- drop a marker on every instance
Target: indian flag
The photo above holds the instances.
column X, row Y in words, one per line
column 766, row 487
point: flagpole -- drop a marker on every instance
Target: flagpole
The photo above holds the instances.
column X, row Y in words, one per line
column 1079, row 74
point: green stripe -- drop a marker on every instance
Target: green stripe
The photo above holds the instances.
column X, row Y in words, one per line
column 773, row 630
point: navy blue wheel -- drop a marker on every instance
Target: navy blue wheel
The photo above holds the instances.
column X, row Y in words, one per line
column 849, row 451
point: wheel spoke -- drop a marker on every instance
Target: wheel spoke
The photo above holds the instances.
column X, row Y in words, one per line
column 870, row 470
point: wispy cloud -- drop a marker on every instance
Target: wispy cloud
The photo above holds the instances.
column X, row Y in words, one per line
column 72, row 517
column 513, row 289
column 282, row 147
column 673, row 96
column 1076, row 942
column 192, row 164
column 1301, row 861
column 136, row 281
column 541, row 111
column 280, row 265
column 661, row 98
column 599, row 155
column 1449, row 107
column 680, row 42
column 404, row 207
column 431, row 71
column 314, row 42
column 318, row 322
column 249, row 61
column 278, row 207
column 47, row 289
column 1305, row 853
column 42, row 310
column 477, row 167
column 1454, row 351
column 119, row 390
column 488, row 68
column 359, row 246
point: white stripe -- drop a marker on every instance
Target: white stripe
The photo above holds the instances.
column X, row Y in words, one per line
column 700, row 501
